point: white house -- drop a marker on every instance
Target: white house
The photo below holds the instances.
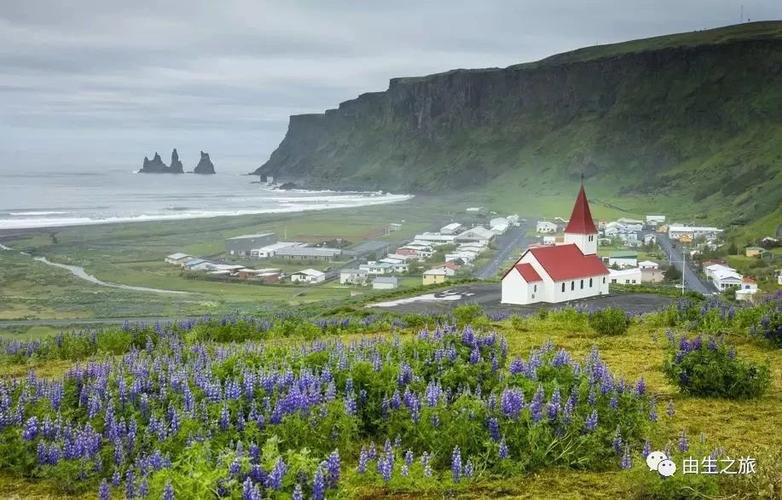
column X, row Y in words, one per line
column 711, row 269
column 650, row 239
column 176, row 258
column 648, row 264
column 563, row 272
column 385, row 283
column 452, row 228
column 477, row 233
column 308, row 276
column 353, row 277
column 623, row 259
column 499, row 225
column 726, row 278
column 748, row 289
column 630, row 276
column 434, row 239
column 779, row 277
column 655, row 220
column 269, row 251
column 549, row 240
column 544, row 226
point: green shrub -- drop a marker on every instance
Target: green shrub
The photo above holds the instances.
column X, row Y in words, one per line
column 467, row 314
column 611, row 321
column 712, row 369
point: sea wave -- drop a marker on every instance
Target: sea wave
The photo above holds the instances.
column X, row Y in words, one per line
column 33, row 213
column 286, row 205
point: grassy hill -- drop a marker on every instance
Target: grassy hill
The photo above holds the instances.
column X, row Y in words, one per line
column 688, row 123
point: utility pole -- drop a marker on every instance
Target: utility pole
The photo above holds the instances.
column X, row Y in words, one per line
column 684, row 267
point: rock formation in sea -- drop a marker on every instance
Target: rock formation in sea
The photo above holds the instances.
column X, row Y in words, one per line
column 205, row 165
column 156, row 165
column 176, row 163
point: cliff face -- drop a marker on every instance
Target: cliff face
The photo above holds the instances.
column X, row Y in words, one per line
column 639, row 116
column 205, row 165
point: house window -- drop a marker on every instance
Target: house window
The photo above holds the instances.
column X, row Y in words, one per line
column 572, row 285
column 582, row 284
column 604, row 280
column 590, row 282
column 535, row 288
column 563, row 287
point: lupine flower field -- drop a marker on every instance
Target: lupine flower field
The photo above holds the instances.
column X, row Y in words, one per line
column 293, row 408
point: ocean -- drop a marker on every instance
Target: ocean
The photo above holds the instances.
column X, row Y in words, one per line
column 51, row 199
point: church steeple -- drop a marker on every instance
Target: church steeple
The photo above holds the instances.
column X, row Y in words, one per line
column 581, row 228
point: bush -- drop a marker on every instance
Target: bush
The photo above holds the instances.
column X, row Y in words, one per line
column 611, row 321
column 467, row 314
column 712, row 369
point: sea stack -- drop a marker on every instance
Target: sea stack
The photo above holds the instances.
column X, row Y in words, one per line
column 154, row 166
column 205, row 165
column 176, row 164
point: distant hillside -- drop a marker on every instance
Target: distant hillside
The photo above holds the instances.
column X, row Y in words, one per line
column 693, row 117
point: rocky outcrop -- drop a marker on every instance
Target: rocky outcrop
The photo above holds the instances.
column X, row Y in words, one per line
column 205, row 165
column 176, row 165
column 156, row 165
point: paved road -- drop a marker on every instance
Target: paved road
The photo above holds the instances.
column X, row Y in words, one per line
column 510, row 244
column 691, row 279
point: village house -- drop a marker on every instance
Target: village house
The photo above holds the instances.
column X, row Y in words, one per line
column 269, row 276
column 747, row 290
column 499, row 225
column 724, row 277
column 353, row 277
column 475, row 234
column 308, row 253
column 754, row 251
column 655, row 220
column 269, row 251
column 687, row 234
column 308, row 276
column 437, row 275
column 176, row 258
column 648, row 264
column 375, row 268
column 244, row 244
column 397, row 265
column 434, row 239
column 452, row 228
column 562, row 272
column 385, row 283
column 652, row 275
column 630, row 276
column 622, row 259
column 544, row 226
column 650, row 239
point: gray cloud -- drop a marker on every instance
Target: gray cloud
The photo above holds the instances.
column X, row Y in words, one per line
column 102, row 82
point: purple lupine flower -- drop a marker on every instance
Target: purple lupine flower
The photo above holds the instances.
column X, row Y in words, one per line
column 404, row 470
column 536, row 405
column 426, row 465
column 104, row 493
column 640, row 387
column 30, row 429
column 363, row 459
column 512, row 402
column 652, row 410
column 250, row 491
column 670, row 411
column 168, row 492
column 469, row 469
column 116, row 479
column 234, row 468
column 409, row 457
column 130, row 478
column 554, row 404
column 143, row 489
column 503, row 451
column 298, row 494
column 225, row 418
column 274, row 480
column 646, row 449
column 475, row 355
column 627, row 459
column 318, row 485
column 456, row 465
column 618, row 443
column 684, row 443
column 385, row 466
column 494, row 428
column 333, row 468
column 591, row 422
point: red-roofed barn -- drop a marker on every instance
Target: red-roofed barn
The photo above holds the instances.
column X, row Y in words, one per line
column 563, row 272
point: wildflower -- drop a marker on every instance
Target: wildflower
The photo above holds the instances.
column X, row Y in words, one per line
column 274, row 481
column 512, row 402
column 503, row 451
column 469, row 469
column 670, row 411
column 318, row 485
column 494, row 428
column 250, row 491
column 684, row 443
column 143, row 489
column 363, row 459
column 333, row 468
column 409, row 457
column 618, row 441
column 426, row 465
column 591, row 422
column 646, row 449
column 627, row 459
column 385, row 466
column 640, row 387
column 168, row 492
column 30, row 429
column 104, row 493
column 456, row 465
column 298, row 494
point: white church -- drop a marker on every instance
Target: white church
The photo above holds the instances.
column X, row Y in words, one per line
column 563, row 272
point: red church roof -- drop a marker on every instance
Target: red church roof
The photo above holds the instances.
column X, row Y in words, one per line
column 528, row 272
column 566, row 262
column 581, row 219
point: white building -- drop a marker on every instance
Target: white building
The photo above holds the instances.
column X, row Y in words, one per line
column 655, row 220
column 544, row 226
column 269, row 251
column 779, row 277
column 563, row 272
column 748, row 289
column 434, row 239
column 499, row 225
column 176, row 258
column 477, row 233
column 650, row 239
column 385, row 283
column 630, row 276
column 622, row 259
column 308, row 276
column 648, row 264
column 353, row 277
column 452, row 228
column 726, row 278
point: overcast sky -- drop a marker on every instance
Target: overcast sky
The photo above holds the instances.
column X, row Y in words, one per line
column 88, row 84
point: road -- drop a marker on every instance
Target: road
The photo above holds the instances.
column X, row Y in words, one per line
column 691, row 279
column 509, row 245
